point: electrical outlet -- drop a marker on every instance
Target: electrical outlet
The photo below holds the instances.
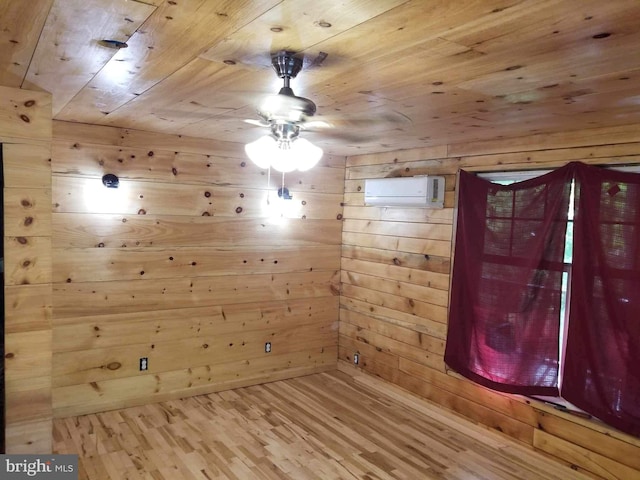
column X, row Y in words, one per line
column 144, row 364
column 356, row 358
column 267, row 347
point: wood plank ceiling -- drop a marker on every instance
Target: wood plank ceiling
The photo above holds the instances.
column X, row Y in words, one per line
column 398, row 74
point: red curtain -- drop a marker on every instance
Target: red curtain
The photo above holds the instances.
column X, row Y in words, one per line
column 504, row 315
column 602, row 367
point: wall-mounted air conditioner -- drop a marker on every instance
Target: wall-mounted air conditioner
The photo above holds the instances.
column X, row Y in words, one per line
column 425, row 191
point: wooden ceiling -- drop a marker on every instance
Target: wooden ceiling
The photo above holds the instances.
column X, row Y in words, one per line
column 445, row 71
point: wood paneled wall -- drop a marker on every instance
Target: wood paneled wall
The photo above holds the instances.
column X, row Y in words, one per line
column 25, row 133
column 185, row 265
column 395, row 281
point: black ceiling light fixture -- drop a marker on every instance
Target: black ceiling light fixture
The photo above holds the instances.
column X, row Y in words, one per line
column 110, row 180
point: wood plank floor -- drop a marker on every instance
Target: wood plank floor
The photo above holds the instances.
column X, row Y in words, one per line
column 324, row 426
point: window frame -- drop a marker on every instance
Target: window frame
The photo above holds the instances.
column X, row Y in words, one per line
column 506, row 177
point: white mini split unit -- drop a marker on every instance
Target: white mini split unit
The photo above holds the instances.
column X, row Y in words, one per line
column 426, row 191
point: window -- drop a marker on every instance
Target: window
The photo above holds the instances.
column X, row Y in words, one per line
column 524, row 276
column 508, row 178
column 506, row 292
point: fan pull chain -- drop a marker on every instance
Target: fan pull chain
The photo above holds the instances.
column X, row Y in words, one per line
column 269, row 185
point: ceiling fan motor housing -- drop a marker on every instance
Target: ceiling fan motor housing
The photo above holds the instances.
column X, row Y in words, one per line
column 286, row 107
column 286, row 65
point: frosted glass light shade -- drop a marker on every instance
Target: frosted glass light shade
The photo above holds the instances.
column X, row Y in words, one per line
column 262, row 151
column 308, row 155
column 284, row 160
column 301, row 154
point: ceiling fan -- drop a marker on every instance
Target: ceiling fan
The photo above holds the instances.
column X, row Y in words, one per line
column 285, row 114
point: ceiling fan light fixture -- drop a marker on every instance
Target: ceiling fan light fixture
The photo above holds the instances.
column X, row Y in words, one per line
column 285, row 114
column 283, row 156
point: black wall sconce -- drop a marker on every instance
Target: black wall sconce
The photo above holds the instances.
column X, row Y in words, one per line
column 110, row 181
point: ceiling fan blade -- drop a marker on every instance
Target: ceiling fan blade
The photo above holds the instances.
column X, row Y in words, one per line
column 317, row 125
column 257, row 123
column 320, row 137
column 382, row 120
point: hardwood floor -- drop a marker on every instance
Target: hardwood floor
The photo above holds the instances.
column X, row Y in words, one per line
column 324, row 426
